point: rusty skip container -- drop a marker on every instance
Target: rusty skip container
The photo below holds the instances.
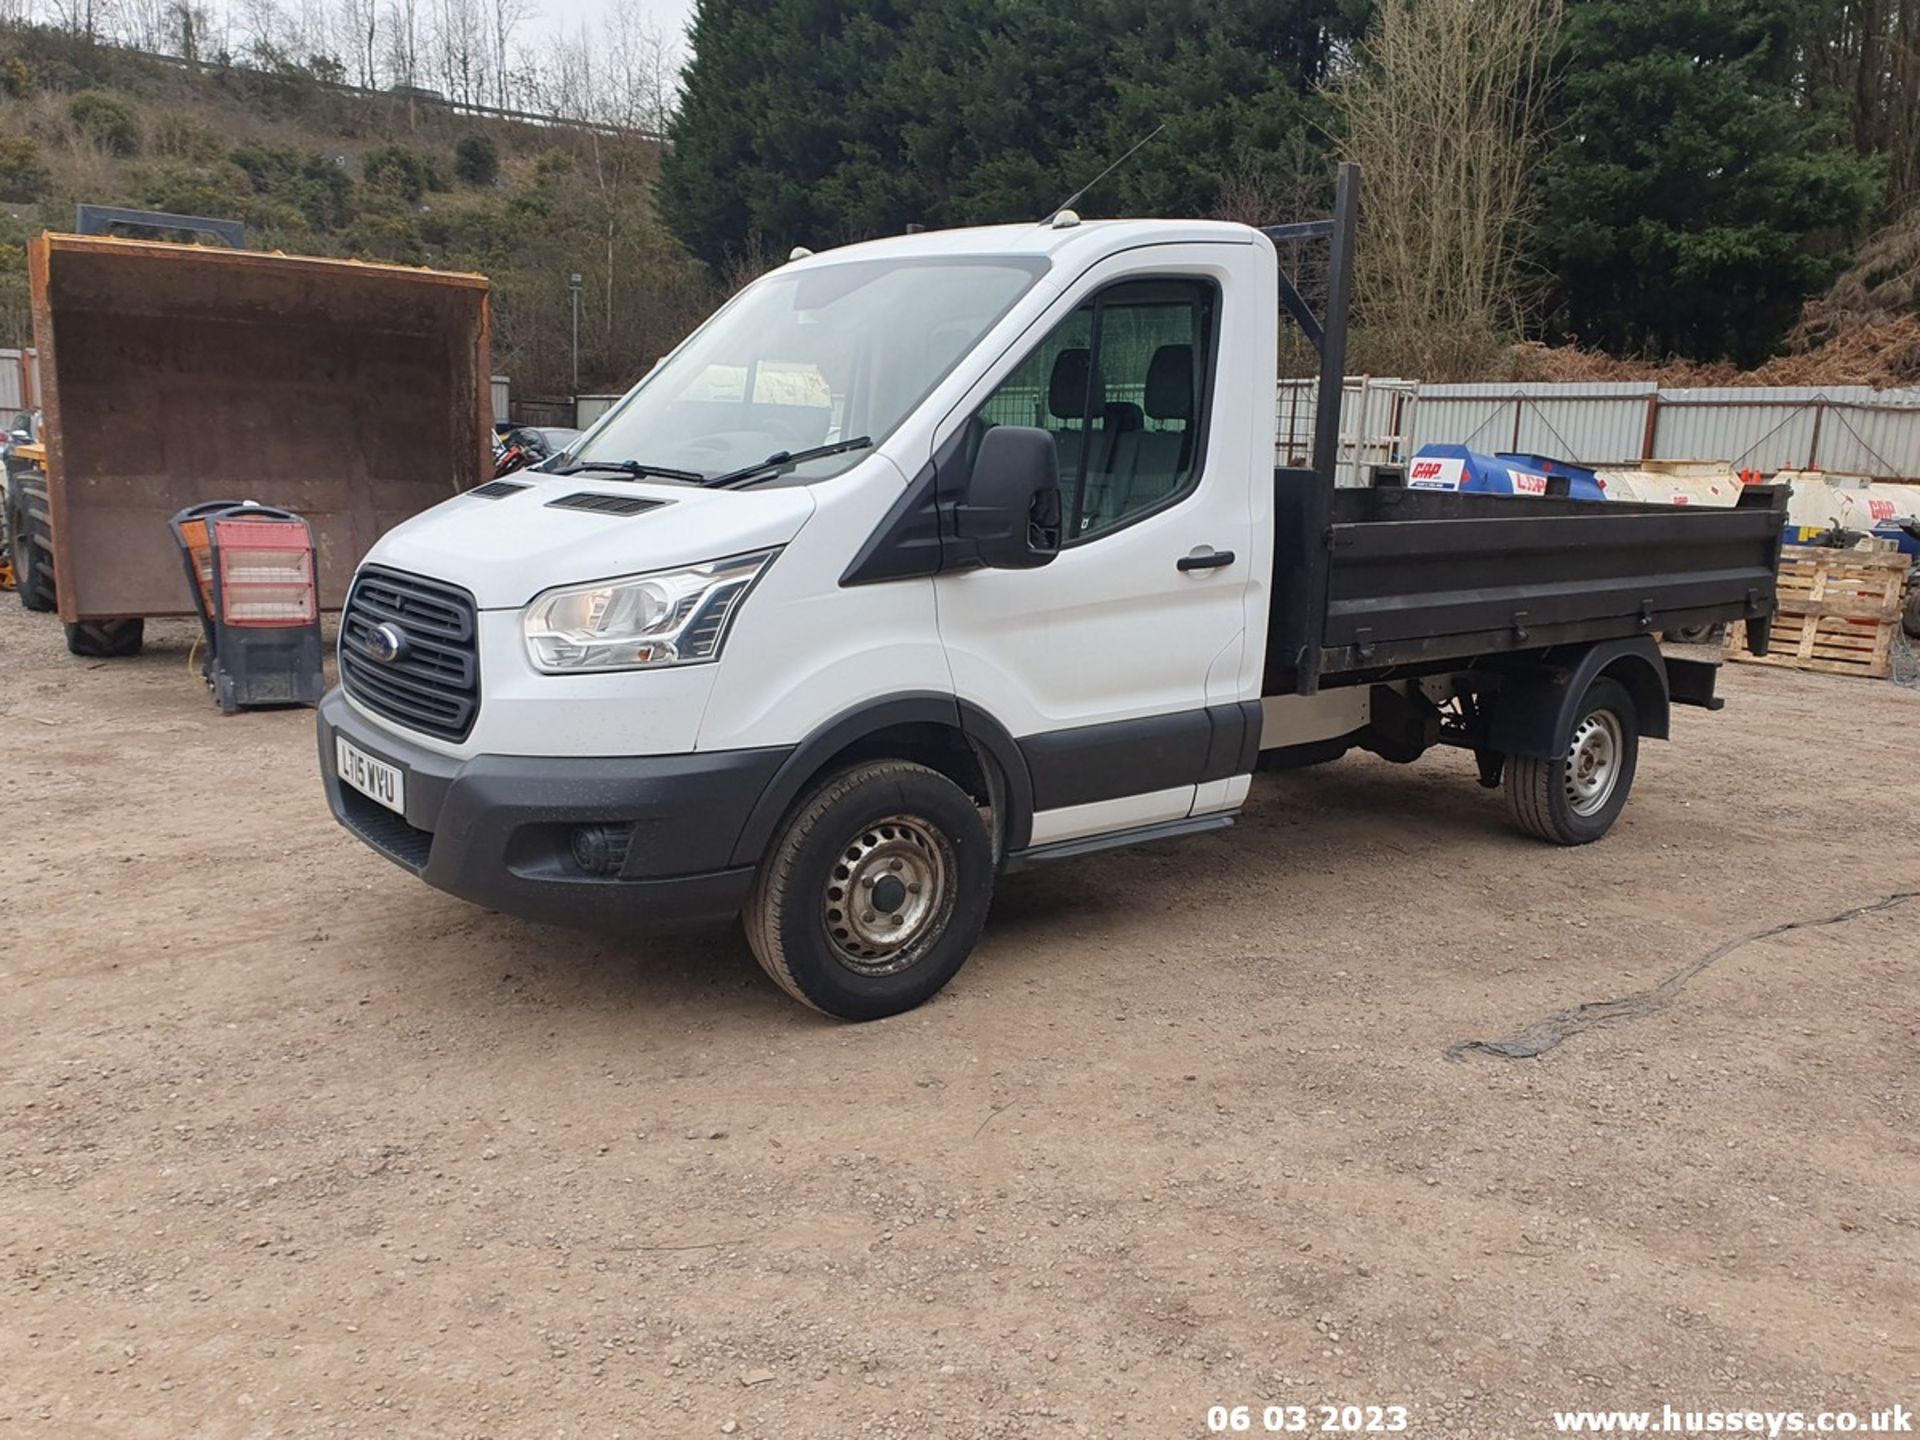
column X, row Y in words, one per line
column 353, row 394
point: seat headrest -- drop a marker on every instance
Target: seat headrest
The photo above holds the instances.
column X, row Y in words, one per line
column 1170, row 383
column 1067, row 389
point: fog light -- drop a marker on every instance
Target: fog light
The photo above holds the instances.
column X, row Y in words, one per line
column 601, row 849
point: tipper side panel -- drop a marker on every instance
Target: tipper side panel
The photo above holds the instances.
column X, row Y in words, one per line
column 352, row 394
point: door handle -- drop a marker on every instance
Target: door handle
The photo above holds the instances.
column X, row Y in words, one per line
column 1204, row 558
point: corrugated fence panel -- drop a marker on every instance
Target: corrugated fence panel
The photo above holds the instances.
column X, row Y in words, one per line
column 12, row 374
column 1847, row 429
column 589, row 408
column 1760, row 429
column 1597, row 422
column 1878, row 438
column 1607, row 427
column 1478, row 420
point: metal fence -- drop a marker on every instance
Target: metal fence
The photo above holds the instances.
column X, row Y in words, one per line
column 19, row 381
column 1845, row 429
column 1376, row 419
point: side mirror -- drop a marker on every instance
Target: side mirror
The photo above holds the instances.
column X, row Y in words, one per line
column 1011, row 510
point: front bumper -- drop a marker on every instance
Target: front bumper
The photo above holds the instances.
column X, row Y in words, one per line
column 495, row 829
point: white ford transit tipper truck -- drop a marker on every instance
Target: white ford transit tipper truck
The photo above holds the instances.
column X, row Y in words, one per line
column 938, row 555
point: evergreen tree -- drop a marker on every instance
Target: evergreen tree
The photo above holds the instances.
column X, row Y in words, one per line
column 1694, row 199
column 808, row 122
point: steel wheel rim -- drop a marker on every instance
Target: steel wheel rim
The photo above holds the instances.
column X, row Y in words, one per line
column 888, row 895
column 1594, row 755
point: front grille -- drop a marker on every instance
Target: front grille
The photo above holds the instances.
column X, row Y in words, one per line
column 434, row 685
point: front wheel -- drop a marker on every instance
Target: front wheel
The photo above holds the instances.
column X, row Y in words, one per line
column 874, row 891
column 1574, row 798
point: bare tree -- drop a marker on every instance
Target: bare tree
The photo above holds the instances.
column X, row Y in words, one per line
column 90, row 19
column 637, row 71
column 459, row 48
column 266, row 30
column 1443, row 107
column 403, row 44
column 565, row 83
column 358, row 23
column 143, row 24
column 504, row 19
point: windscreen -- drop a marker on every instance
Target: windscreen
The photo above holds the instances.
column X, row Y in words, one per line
column 810, row 358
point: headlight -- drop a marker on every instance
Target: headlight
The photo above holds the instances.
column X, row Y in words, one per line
column 672, row 617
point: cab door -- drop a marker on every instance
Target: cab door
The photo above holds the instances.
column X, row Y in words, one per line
column 1121, row 667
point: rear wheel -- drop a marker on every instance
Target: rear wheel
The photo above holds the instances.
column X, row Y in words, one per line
column 874, row 891
column 30, row 540
column 1574, row 798
column 1910, row 617
column 106, row 639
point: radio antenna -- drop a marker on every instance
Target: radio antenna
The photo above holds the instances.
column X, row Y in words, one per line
column 1074, row 199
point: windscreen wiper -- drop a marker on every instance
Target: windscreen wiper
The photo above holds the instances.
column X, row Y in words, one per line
column 635, row 469
column 787, row 459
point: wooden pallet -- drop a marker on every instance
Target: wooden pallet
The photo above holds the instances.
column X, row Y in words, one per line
column 1839, row 611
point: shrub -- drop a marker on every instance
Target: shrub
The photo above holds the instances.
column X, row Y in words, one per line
column 182, row 137
column 305, row 180
column 106, row 121
column 386, row 237
column 24, row 175
column 529, row 205
column 475, row 160
column 271, row 223
column 218, row 191
column 16, row 76
column 395, row 170
column 485, row 234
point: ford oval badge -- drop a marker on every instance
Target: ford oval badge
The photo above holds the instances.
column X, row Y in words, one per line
column 386, row 643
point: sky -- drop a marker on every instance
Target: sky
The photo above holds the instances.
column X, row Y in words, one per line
column 668, row 16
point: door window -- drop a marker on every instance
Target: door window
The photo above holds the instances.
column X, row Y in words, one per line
column 1121, row 385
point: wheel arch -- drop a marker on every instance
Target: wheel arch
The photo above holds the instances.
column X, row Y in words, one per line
column 951, row 736
column 1535, row 712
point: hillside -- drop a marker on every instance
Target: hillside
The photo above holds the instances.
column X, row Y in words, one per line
column 321, row 169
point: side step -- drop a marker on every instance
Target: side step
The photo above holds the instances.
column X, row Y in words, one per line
column 1116, row 840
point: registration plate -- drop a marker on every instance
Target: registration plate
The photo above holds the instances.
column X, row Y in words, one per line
column 380, row 782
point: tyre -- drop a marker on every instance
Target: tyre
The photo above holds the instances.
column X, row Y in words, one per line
column 873, row 892
column 1574, row 798
column 106, row 639
column 1910, row 617
column 1697, row 634
column 30, row 536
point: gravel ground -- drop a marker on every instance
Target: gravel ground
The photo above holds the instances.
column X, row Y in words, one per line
column 293, row 1145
